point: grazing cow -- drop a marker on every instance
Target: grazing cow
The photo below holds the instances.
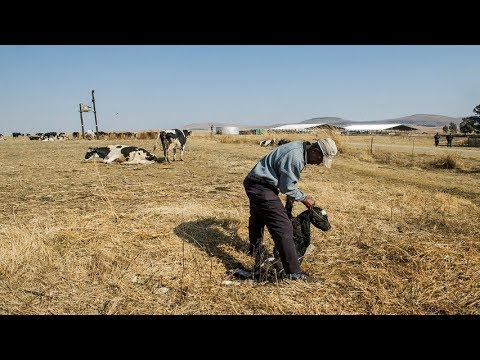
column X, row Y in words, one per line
column 62, row 136
column 102, row 135
column 49, row 136
column 172, row 140
column 1, row 137
column 269, row 142
column 122, row 154
column 89, row 135
column 270, row 268
column 75, row 134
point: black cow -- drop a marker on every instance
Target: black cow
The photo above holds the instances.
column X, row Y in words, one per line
column 172, row 140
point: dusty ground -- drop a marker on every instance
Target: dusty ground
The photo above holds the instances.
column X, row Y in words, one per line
column 87, row 238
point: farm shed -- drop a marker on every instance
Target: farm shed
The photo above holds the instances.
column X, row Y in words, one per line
column 258, row 131
column 302, row 127
column 377, row 128
column 252, row 132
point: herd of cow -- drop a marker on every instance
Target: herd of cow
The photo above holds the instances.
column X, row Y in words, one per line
column 48, row 136
column 171, row 140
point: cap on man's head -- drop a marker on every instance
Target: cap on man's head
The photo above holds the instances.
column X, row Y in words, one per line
column 329, row 150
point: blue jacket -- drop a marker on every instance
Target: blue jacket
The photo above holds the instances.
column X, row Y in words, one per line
column 282, row 167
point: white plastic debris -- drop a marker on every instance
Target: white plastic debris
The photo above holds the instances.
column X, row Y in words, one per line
column 161, row 290
column 230, row 282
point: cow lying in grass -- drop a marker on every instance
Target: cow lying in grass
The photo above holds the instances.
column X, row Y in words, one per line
column 123, row 154
column 270, row 268
column 268, row 142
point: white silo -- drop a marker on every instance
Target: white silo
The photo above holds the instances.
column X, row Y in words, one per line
column 230, row 130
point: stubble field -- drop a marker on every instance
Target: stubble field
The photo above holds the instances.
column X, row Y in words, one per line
column 90, row 238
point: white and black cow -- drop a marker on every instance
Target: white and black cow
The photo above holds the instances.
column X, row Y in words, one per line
column 268, row 142
column 123, row 154
column 172, row 140
column 49, row 136
column 62, row 136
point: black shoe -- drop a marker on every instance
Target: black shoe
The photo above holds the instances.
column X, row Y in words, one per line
column 299, row 276
column 242, row 274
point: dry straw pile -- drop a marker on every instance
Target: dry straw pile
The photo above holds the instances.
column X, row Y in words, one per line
column 88, row 238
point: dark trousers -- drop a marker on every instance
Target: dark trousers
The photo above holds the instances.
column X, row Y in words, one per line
column 267, row 209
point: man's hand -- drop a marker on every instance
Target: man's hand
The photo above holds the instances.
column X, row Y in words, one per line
column 309, row 202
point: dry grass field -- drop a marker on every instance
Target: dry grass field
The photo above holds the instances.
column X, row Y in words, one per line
column 90, row 238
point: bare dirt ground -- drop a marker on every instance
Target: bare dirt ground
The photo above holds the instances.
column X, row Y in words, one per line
column 89, row 238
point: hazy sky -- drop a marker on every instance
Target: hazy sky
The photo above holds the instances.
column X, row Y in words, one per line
column 164, row 86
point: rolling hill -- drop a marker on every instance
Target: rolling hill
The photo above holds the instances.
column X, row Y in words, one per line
column 424, row 120
column 427, row 120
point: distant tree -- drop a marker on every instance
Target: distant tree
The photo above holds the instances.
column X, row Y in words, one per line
column 445, row 129
column 471, row 123
column 452, row 127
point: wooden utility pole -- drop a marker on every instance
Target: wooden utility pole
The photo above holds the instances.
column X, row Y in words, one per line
column 95, row 114
column 81, row 120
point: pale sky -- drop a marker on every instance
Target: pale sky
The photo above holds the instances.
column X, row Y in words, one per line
column 155, row 87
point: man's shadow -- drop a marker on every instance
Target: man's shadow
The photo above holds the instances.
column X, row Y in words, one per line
column 211, row 235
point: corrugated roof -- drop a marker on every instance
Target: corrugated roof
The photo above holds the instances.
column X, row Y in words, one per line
column 296, row 126
column 371, row 127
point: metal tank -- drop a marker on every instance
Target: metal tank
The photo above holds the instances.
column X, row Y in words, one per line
column 230, row 130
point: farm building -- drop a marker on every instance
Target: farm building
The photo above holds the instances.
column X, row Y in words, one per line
column 252, row 132
column 377, row 128
column 302, row 127
column 258, row 131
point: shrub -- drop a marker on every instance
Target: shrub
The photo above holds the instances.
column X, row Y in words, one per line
column 450, row 161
